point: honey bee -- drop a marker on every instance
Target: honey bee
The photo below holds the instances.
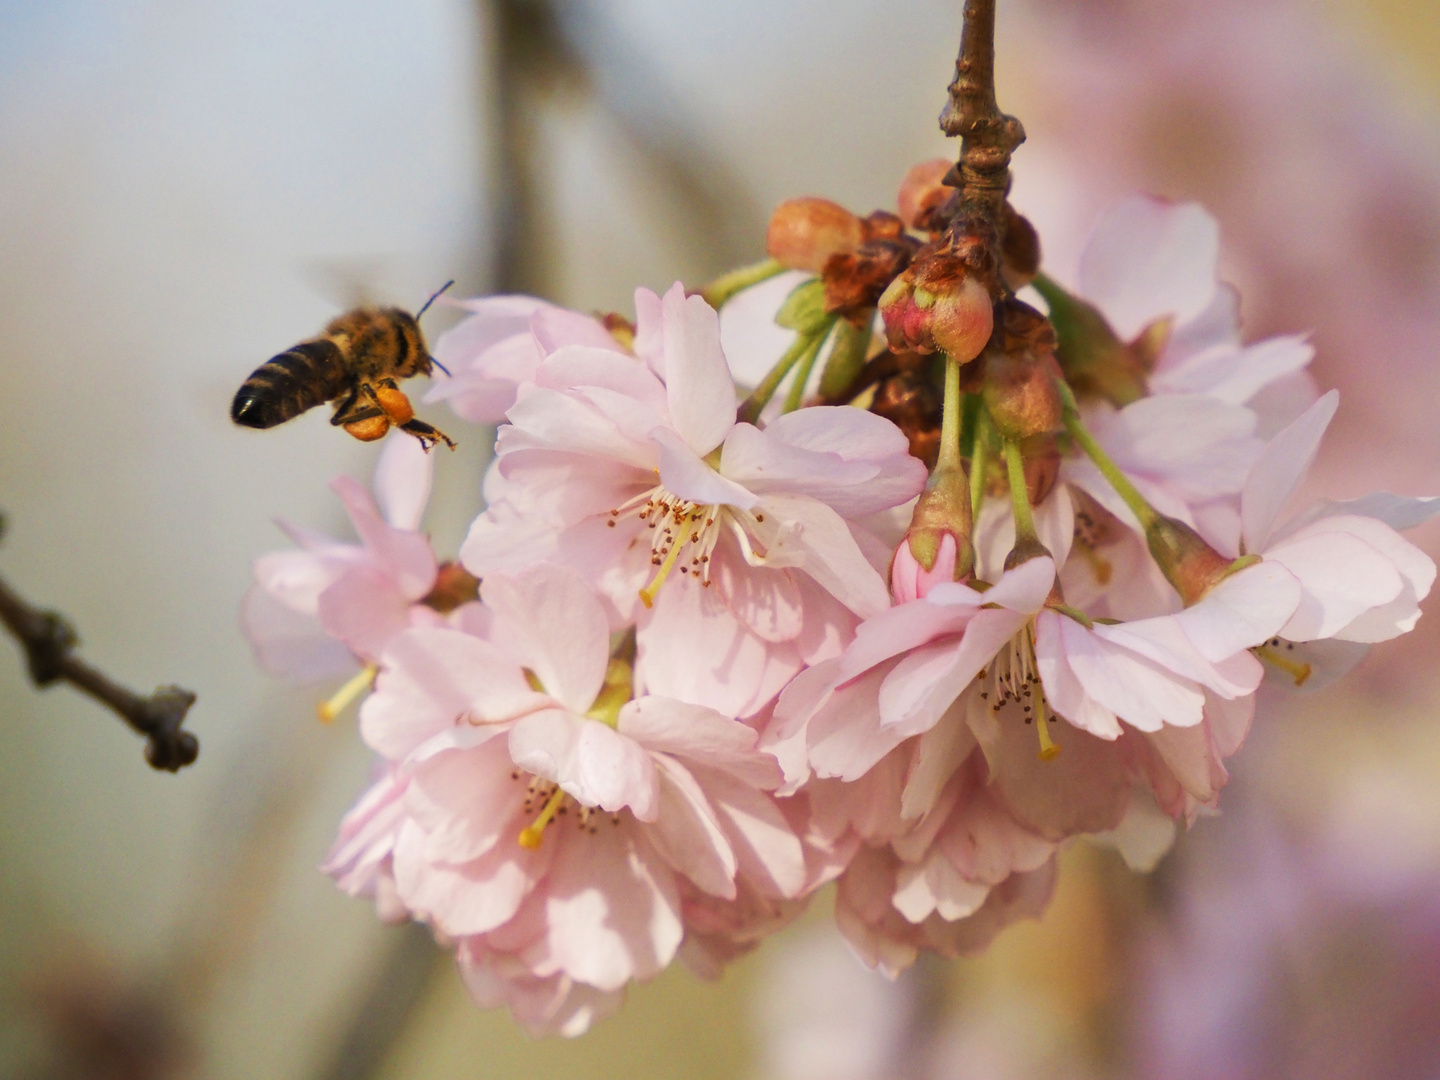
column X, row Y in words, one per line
column 356, row 363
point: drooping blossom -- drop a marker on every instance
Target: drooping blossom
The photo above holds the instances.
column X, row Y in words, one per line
column 545, row 819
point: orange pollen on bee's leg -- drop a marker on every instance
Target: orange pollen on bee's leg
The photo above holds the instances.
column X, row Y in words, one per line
column 531, row 836
column 396, row 405
column 370, row 429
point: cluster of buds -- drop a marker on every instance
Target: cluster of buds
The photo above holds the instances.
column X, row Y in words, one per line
column 992, row 579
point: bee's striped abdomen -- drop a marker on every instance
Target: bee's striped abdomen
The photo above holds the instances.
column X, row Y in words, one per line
column 286, row 385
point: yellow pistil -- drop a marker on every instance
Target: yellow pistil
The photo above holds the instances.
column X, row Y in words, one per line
column 614, row 694
column 532, row 834
column 1048, row 749
column 329, row 709
column 1296, row 669
column 647, row 594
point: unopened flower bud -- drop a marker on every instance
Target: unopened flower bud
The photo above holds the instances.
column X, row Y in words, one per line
column 804, row 233
column 1020, row 372
column 1191, row 565
column 922, row 192
column 937, row 545
column 938, row 305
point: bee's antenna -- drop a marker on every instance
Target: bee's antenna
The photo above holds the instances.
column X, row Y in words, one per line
column 433, row 297
column 441, row 366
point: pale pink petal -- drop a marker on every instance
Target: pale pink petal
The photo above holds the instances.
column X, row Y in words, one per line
column 692, row 647
column 1279, row 470
column 289, row 644
column 828, row 444
column 1235, row 374
column 613, row 772
column 403, row 475
column 699, row 734
column 364, row 609
column 586, row 366
column 752, row 340
column 1242, row 611
column 546, row 743
column 548, row 419
column 404, row 555
column 556, row 327
column 767, row 601
column 923, row 685
column 935, row 887
column 650, row 330
column 844, row 731
column 1400, row 512
column 1063, row 691
column 684, row 474
column 770, row 856
column 938, row 753
column 697, row 379
column 461, row 792
column 1138, row 691
column 548, row 616
column 1022, row 590
column 612, row 911
column 688, row 834
column 430, row 680
column 1148, row 259
column 1342, row 578
column 808, row 535
column 1192, row 757
column 984, row 843
column 297, row 578
column 1163, row 641
column 468, row 898
column 902, row 628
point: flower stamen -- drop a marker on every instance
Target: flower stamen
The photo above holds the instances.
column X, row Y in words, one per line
column 333, row 706
column 1297, row 670
column 534, row 833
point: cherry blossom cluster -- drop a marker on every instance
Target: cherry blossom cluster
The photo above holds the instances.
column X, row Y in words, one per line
column 1004, row 565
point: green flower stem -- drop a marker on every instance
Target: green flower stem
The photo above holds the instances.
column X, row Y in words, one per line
column 796, row 393
column 979, row 463
column 949, row 457
column 1019, row 496
column 803, row 345
column 1127, row 491
column 727, row 285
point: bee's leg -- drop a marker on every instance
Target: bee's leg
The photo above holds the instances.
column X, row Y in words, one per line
column 398, row 410
column 427, row 435
column 390, row 400
column 352, row 408
column 361, row 419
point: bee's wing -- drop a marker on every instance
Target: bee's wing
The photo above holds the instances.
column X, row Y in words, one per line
column 347, row 281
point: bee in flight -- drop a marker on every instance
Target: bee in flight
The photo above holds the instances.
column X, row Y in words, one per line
column 356, row 363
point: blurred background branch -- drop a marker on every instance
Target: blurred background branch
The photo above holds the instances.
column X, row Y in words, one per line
column 49, row 642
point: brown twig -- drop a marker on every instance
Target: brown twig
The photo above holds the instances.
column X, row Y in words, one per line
column 988, row 136
column 49, row 642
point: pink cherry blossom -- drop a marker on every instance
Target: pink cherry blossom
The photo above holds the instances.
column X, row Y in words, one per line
column 723, row 540
column 497, row 350
column 311, row 612
column 549, row 821
column 1361, row 580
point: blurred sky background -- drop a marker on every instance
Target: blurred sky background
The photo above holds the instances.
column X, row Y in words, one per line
column 187, row 188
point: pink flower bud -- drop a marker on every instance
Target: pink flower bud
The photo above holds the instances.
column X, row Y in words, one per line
column 804, row 233
column 909, row 580
column 950, row 312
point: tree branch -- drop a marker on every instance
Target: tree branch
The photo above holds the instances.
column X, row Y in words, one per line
column 49, row 642
column 988, row 136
